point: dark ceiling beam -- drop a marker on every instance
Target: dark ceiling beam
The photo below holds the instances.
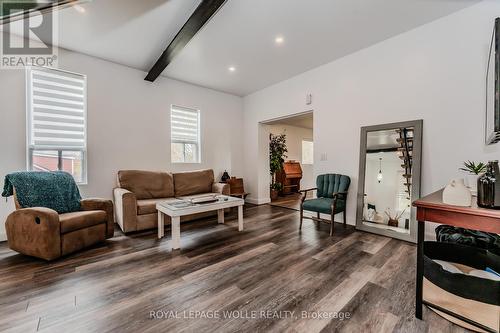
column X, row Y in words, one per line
column 381, row 150
column 198, row 19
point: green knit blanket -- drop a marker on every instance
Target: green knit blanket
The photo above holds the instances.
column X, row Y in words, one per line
column 56, row 190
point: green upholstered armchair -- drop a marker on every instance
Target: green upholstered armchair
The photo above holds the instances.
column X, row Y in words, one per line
column 331, row 193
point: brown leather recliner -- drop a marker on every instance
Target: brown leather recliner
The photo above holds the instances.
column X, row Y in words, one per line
column 43, row 233
column 139, row 191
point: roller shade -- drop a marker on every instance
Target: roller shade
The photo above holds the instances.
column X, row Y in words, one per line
column 57, row 109
column 185, row 125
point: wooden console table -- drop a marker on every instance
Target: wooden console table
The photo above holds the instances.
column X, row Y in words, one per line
column 432, row 209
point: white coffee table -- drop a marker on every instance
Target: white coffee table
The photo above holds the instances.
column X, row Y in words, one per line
column 175, row 209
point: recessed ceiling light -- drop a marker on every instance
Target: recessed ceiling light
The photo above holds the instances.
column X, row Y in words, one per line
column 232, row 69
column 79, row 9
column 279, row 40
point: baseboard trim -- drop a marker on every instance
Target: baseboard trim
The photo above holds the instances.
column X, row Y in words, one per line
column 259, row 201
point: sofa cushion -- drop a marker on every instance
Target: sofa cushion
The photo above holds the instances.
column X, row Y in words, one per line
column 148, row 206
column 80, row 220
column 193, row 182
column 147, row 184
column 323, row 205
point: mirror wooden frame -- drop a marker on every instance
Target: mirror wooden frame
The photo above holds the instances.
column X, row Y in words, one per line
column 416, row 175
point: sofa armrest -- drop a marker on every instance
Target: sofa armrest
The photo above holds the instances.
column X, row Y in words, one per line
column 35, row 232
column 105, row 205
column 125, row 209
column 221, row 188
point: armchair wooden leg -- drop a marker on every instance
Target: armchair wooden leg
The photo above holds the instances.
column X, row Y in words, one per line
column 333, row 209
column 331, row 224
column 318, row 215
column 301, row 217
column 345, row 219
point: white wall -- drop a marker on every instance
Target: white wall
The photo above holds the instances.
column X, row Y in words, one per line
column 294, row 137
column 435, row 72
column 128, row 124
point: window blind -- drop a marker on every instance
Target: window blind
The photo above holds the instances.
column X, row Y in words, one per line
column 185, row 125
column 57, row 109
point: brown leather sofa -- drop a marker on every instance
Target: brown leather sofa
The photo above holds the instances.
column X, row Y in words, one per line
column 138, row 192
column 43, row 233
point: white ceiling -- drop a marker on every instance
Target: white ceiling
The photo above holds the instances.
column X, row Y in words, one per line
column 304, row 121
column 242, row 34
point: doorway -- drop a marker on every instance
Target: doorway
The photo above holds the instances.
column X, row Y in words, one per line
column 297, row 171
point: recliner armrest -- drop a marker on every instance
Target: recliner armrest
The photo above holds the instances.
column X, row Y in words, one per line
column 105, row 205
column 35, row 232
column 125, row 209
column 221, row 188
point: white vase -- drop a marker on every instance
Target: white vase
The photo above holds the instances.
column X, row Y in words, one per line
column 457, row 194
column 471, row 182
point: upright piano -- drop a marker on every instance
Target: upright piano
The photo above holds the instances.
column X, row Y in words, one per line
column 290, row 177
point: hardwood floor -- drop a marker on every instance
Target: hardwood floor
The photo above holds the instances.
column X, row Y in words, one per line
column 291, row 201
column 270, row 268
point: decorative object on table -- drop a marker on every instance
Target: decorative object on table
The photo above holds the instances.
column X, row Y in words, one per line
column 393, row 218
column 204, row 199
column 277, row 155
column 493, row 88
column 225, row 177
column 489, row 187
column 473, row 171
column 457, row 194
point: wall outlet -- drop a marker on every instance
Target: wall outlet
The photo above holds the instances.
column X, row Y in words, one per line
column 324, row 157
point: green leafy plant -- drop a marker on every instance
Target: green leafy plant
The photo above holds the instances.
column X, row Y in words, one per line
column 473, row 168
column 276, row 186
column 277, row 155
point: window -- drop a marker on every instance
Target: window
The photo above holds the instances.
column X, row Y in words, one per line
column 307, row 152
column 57, row 119
column 185, row 135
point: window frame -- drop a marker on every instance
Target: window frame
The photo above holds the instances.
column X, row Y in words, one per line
column 302, row 151
column 30, row 149
column 198, row 139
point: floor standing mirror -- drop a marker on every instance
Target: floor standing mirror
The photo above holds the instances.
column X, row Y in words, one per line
column 389, row 179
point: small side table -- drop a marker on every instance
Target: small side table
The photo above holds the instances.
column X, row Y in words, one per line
column 432, row 209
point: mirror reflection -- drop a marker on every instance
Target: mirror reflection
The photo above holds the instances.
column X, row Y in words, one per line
column 388, row 179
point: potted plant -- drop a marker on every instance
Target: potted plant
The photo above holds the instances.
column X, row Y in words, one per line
column 277, row 155
column 276, row 188
column 474, row 170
